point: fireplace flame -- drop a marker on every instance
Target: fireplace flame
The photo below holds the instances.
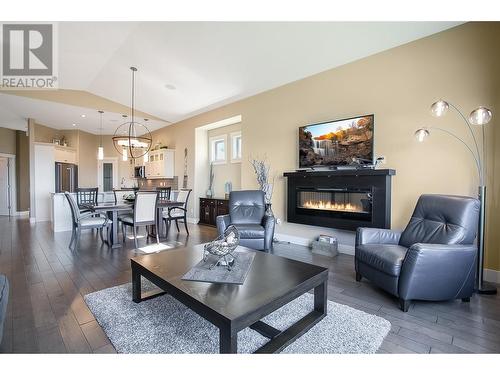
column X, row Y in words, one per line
column 322, row 205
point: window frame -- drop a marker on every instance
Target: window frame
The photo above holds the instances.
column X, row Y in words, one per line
column 234, row 136
column 213, row 141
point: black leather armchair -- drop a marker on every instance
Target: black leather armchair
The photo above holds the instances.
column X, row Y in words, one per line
column 247, row 212
column 432, row 259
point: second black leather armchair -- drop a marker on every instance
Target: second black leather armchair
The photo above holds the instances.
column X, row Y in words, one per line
column 432, row 259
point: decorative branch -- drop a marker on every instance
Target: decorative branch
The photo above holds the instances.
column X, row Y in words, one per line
column 261, row 169
column 211, row 176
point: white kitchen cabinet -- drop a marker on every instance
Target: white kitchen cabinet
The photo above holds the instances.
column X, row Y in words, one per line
column 65, row 155
column 161, row 164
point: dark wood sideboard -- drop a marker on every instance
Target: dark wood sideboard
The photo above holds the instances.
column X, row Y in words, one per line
column 210, row 208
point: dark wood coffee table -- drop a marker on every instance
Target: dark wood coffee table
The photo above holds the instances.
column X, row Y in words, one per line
column 271, row 283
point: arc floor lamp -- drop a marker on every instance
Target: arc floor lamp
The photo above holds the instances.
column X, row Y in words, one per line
column 478, row 117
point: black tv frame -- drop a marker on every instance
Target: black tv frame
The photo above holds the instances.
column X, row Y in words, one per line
column 343, row 165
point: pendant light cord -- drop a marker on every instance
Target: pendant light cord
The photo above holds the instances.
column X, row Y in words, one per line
column 101, row 131
column 133, row 91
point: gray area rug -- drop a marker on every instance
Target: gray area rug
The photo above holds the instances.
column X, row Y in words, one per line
column 164, row 325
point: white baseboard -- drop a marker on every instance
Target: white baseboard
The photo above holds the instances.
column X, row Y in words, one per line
column 493, row 276
column 344, row 249
column 193, row 220
column 23, row 213
column 32, row 220
column 292, row 239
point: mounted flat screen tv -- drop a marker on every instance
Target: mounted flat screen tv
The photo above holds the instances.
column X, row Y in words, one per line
column 336, row 143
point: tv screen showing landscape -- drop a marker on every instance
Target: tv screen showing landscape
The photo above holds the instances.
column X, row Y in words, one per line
column 335, row 143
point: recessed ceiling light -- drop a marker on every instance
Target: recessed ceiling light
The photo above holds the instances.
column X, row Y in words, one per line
column 170, row 86
column 83, row 116
column 73, row 124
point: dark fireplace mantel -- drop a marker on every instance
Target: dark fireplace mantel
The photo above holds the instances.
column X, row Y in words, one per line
column 342, row 199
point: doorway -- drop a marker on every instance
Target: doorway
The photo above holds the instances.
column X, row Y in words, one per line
column 107, row 178
column 7, row 185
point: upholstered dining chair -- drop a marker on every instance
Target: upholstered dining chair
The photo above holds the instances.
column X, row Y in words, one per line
column 119, row 194
column 144, row 214
column 247, row 212
column 88, row 220
column 86, row 197
column 432, row 259
column 178, row 212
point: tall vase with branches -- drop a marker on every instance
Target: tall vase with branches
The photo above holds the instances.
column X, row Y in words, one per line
column 211, row 181
column 262, row 173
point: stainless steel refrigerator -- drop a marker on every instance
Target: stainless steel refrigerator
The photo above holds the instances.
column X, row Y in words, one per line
column 66, row 177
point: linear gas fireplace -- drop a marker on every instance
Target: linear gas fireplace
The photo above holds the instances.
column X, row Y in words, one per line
column 340, row 199
column 335, row 202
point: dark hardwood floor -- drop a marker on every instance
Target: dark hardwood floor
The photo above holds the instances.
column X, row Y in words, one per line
column 47, row 313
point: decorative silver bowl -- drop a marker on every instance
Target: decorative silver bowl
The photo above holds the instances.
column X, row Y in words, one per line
column 223, row 247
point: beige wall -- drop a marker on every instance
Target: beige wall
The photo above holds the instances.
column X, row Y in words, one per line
column 398, row 86
column 71, row 137
column 228, row 171
column 44, row 133
column 7, row 141
column 87, row 159
column 493, row 194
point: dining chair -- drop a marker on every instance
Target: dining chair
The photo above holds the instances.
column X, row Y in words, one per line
column 86, row 197
column 164, row 193
column 144, row 214
column 177, row 213
column 88, row 220
column 121, row 193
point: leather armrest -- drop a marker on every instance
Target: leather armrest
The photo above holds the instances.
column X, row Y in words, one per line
column 377, row 236
column 223, row 221
column 437, row 271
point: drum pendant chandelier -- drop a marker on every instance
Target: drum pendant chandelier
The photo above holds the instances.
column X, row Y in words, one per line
column 132, row 138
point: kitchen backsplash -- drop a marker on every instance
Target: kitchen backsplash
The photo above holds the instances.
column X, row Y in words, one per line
column 146, row 184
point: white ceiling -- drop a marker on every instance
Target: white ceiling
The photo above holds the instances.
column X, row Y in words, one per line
column 62, row 116
column 209, row 63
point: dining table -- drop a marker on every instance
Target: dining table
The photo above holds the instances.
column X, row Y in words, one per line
column 112, row 210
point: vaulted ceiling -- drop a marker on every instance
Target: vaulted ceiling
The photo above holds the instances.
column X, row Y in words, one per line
column 187, row 68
